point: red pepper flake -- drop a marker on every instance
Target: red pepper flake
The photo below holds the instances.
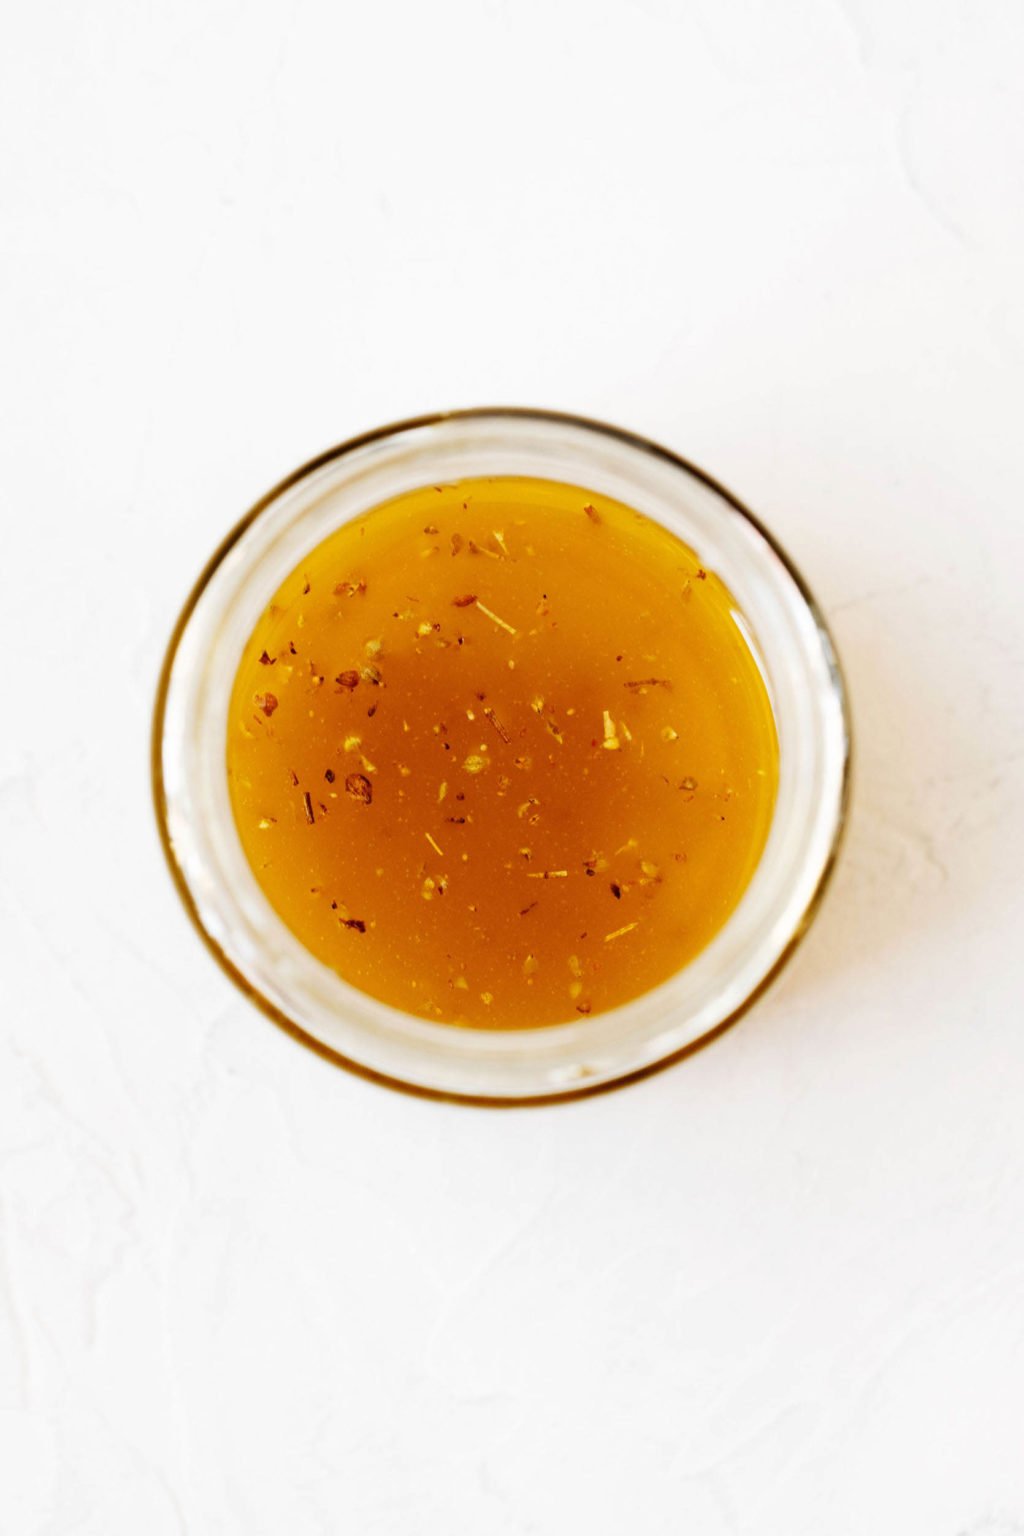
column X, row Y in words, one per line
column 306, row 588
column 456, row 821
column 457, row 542
column 523, row 910
column 464, row 602
column 294, row 777
column 353, row 922
column 349, row 679
column 584, row 1007
column 648, row 682
column 359, row 787
column 371, row 711
column 267, row 661
column 350, row 588
column 291, row 648
column 702, row 574
column 267, row 702
column 592, row 513
column 616, row 890
column 308, row 805
column 329, row 775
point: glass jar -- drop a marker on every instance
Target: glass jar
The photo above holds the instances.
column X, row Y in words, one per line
column 786, row 632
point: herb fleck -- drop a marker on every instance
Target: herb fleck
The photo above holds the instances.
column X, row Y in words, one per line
column 640, row 685
column 359, row 787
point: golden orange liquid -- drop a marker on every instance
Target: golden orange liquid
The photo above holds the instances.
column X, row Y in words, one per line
column 500, row 755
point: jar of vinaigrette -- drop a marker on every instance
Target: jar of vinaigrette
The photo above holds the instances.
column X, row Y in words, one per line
column 501, row 754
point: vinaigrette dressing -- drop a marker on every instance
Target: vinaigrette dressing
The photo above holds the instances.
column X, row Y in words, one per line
column 500, row 755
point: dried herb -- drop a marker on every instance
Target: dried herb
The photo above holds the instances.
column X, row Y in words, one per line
column 494, row 618
column 359, row 787
column 492, row 717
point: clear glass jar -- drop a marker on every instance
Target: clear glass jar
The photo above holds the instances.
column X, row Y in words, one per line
column 785, row 630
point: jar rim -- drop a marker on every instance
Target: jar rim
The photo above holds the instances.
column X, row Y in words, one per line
column 429, row 1065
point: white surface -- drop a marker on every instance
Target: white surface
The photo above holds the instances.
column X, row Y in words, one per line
column 777, row 1290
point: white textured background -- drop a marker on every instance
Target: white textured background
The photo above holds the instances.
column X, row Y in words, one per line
column 777, row 1291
